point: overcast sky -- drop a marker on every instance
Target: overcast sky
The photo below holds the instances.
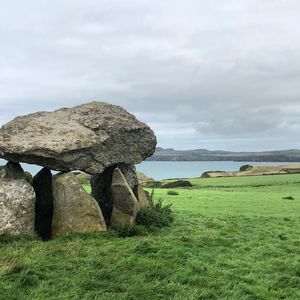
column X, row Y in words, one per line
column 203, row 74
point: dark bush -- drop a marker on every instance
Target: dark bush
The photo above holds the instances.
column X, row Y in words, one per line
column 172, row 193
column 153, row 184
column 177, row 184
column 156, row 215
column 245, row 168
column 288, row 198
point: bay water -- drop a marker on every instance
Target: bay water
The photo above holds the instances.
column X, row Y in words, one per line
column 176, row 169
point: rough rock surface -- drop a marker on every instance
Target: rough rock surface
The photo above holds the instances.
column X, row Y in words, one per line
column 12, row 170
column 101, row 191
column 42, row 184
column 125, row 204
column 89, row 137
column 142, row 198
column 142, row 178
column 101, row 187
column 17, row 200
column 74, row 209
column 130, row 175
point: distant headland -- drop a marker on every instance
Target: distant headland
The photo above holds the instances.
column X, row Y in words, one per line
column 169, row 154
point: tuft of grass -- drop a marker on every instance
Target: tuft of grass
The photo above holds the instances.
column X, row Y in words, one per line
column 145, row 247
column 157, row 215
column 288, row 198
column 128, row 231
column 172, row 193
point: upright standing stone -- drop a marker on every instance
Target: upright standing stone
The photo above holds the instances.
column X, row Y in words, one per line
column 125, row 204
column 101, row 191
column 12, row 170
column 17, row 200
column 143, row 198
column 42, row 184
column 74, row 209
column 101, row 187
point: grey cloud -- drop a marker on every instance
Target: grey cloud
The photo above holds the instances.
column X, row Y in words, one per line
column 203, row 74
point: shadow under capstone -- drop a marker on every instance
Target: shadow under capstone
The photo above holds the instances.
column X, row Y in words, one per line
column 42, row 184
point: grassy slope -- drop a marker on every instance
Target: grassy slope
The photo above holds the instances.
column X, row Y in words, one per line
column 234, row 238
column 260, row 170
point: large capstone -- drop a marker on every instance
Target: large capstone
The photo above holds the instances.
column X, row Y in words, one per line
column 89, row 137
column 74, row 210
column 125, row 204
column 42, row 184
column 17, row 200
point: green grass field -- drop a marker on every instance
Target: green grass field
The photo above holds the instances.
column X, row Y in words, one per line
column 233, row 238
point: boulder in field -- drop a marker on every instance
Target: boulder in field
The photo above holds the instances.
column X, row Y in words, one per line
column 89, row 137
column 125, row 204
column 74, row 210
column 245, row 168
column 17, row 200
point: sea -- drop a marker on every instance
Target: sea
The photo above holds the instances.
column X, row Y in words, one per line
column 159, row 170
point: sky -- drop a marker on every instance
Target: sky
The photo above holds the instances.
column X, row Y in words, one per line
column 203, row 74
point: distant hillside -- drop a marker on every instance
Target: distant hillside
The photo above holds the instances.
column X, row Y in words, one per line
column 161, row 154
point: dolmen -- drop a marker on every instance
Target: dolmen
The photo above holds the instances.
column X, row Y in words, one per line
column 97, row 138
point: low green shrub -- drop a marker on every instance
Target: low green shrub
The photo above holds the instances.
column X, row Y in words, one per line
column 148, row 219
column 156, row 215
column 172, row 193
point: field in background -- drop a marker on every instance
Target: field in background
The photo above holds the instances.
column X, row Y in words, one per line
column 233, row 238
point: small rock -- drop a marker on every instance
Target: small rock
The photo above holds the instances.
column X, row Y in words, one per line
column 245, row 168
column 12, row 170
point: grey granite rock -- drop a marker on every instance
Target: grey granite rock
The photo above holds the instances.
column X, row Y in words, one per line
column 17, row 200
column 125, row 204
column 74, row 210
column 89, row 137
